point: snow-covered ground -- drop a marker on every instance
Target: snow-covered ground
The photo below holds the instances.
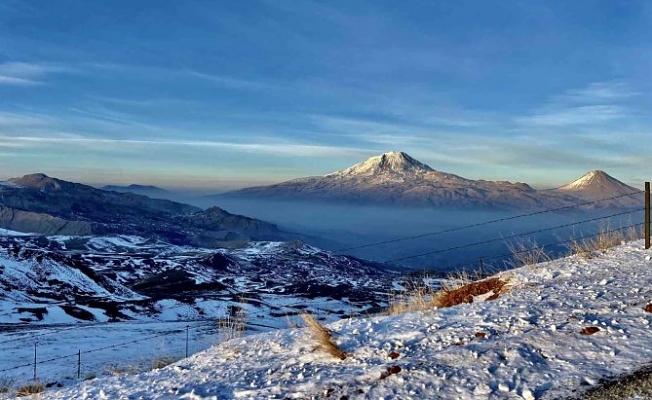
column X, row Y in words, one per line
column 533, row 346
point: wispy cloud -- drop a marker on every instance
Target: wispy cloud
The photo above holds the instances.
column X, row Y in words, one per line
column 233, row 83
column 262, row 145
column 14, row 120
column 595, row 104
column 600, row 93
column 27, row 74
column 577, row 115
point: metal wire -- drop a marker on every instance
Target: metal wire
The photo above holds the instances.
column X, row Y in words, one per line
column 460, row 228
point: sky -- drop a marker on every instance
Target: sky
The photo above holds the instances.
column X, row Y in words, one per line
column 218, row 95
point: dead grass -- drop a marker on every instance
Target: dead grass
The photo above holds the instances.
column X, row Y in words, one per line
column 232, row 326
column 323, row 337
column 29, row 389
column 6, row 384
column 417, row 297
column 526, row 252
column 604, row 240
column 162, row 362
column 464, row 294
column 458, row 289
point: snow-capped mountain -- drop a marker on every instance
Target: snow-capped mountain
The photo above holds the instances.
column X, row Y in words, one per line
column 397, row 178
column 596, row 185
column 124, row 277
column 391, row 165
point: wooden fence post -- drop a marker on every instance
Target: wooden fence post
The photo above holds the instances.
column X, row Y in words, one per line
column 647, row 215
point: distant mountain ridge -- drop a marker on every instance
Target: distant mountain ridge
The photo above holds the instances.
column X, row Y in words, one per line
column 37, row 203
column 397, row 178
column 154, row 192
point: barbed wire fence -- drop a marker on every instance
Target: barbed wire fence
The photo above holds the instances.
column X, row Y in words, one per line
column 479, row 260
column 73, row 364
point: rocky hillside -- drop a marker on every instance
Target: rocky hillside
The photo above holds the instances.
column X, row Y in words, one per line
column 130, row 277
column 41, row 204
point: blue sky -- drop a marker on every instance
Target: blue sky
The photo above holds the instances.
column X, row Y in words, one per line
column 224, row 94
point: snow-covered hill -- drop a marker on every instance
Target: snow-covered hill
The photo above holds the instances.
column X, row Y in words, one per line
column 527, row 344
column 62, row 279
column 397, row 178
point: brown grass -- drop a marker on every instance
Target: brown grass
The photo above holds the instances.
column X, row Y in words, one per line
column 418, row 297
column 29, row 389
column 604, row 240
column 323, row 337
column 458, row 289
column 162, row 362
column 465, row 293
column 526, row 252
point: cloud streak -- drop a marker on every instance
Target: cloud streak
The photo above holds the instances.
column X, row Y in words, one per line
column 269, row 148
column 27, row 74
column 596, row 104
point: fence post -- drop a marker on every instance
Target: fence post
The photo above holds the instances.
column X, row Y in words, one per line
column 35, row 346
column 647, row 215
column 79, row 364
column 187, row 336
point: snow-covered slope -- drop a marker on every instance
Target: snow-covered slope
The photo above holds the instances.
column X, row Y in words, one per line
column 527, row 344
column 125, row 277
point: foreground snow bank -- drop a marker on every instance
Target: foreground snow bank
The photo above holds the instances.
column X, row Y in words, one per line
column 533, row 346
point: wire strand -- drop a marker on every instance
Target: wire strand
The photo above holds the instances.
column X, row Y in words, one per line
column 464, row 246
column 460, row 228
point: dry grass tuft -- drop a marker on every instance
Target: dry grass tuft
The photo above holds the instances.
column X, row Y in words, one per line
column 526, row 252
column 458, row 289
column 323, row 337
column 464, row 294
column 418, row 297
column 603, row 241
column 29, row 389
column 162, row 362
column 233, row 325
column 6, row 384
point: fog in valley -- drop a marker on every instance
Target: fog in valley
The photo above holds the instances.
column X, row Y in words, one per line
column 346, row 228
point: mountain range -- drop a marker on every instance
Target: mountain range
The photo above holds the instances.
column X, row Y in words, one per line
column 41, row 204
column 395, row 178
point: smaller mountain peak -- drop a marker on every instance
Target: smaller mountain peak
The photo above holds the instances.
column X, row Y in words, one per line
column 38, row 180
column 39, row 176
column 598, row 182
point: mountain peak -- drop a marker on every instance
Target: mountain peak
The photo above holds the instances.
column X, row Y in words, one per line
column 598, row 183
column 393, row 162
column 38, row 181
